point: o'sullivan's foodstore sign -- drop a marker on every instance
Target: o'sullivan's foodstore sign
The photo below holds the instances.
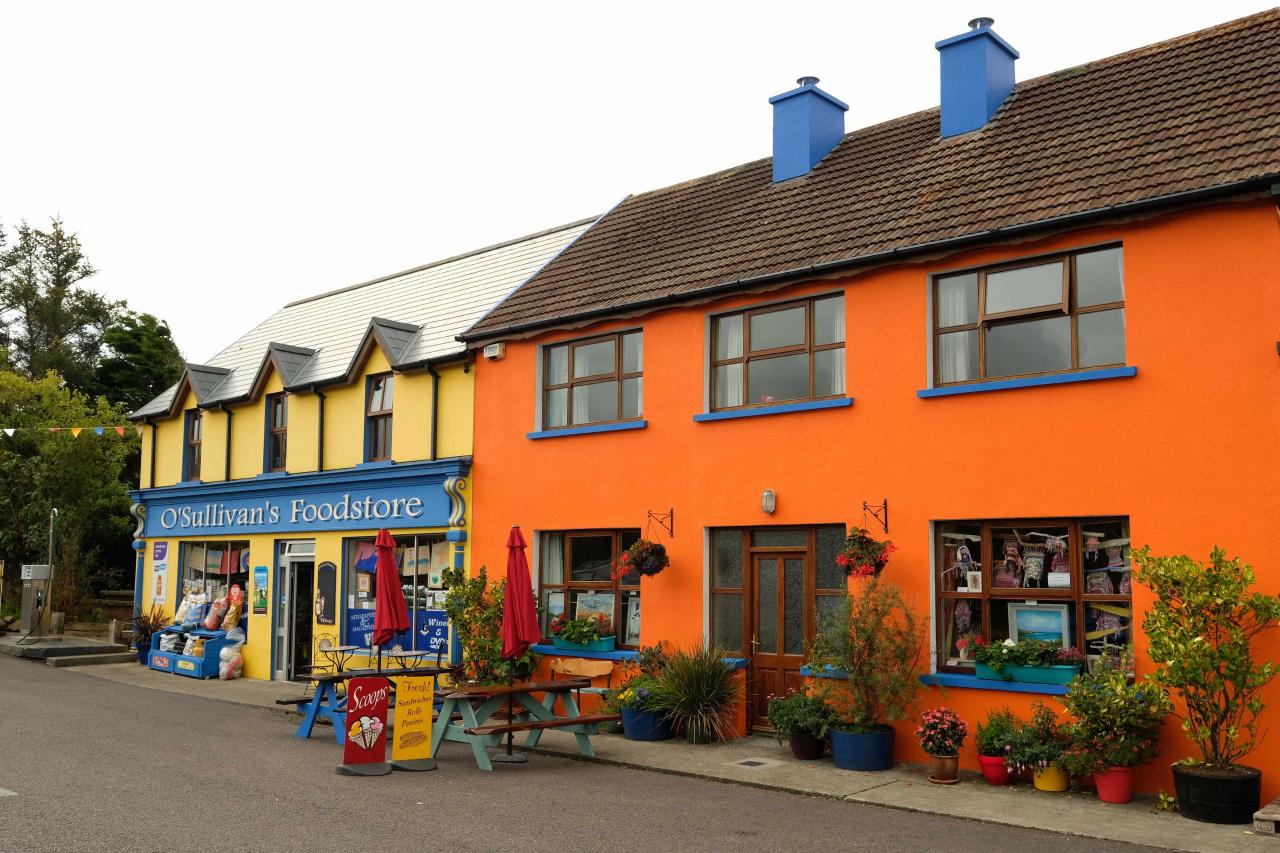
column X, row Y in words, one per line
column 411, row 495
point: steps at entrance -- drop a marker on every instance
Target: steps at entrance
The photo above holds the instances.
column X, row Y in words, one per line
column 88, row 660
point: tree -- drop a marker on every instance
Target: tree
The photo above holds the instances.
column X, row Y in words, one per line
column 139, row 360
column 49, row 321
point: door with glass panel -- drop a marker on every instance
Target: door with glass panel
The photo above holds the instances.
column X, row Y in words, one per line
column 778, row 644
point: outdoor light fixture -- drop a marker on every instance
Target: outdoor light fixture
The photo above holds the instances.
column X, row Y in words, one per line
column 768, row 502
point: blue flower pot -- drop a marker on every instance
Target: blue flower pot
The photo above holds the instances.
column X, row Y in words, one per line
column 604, row 644
column 645, row 725
column 862, row 751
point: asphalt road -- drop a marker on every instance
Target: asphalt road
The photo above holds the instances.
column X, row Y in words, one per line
column 97, row 765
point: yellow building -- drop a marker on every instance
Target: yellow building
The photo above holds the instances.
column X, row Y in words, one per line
column 273, row 466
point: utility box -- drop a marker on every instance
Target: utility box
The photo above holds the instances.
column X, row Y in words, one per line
column 35, row 588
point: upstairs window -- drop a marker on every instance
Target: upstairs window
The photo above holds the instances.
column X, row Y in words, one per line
column 277, row 431
column 779, row 353
column 192, row 437
column 378, row 419
column 593, row 381
column 1051, row 315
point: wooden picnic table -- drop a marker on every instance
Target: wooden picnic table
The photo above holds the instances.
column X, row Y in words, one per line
column 475, row 704
column 325, row 701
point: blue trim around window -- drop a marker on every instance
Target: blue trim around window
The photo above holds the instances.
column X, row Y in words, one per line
column 956, row 679
column 780, row 409
column 587, row 430
column 1030, row 382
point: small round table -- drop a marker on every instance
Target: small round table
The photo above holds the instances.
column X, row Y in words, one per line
column 339, row 656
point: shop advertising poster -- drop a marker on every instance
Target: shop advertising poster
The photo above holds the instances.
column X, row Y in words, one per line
column 433, row 630
column 259, row 590
column 414, row 698
column 326, row 592
column 159, row 571
column 365, row 753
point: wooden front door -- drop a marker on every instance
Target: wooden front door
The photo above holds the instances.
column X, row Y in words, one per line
column 778, row 584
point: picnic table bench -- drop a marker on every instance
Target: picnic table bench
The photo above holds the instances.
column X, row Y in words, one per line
column 466, row 710
column 325, row 701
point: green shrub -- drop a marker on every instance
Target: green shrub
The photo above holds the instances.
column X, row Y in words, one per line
column 1116, row 723
column 474, row 607
column 699, row 689
column 800, row 712
column 1038, row 743
column 996, row 733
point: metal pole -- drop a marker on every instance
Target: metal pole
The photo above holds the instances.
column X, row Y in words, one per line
column 53, row 514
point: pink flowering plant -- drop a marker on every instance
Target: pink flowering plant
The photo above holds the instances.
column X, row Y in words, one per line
column 862, row 555
column 1115, row 722
column 941, row 732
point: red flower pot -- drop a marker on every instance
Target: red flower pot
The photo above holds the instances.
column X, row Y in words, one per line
column 1115, row 784
column 993, row 768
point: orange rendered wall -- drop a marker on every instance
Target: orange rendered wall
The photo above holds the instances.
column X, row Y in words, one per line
column 1186, row 449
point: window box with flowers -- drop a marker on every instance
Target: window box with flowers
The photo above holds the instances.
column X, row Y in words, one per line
column 592, row 633
column 1026, row 662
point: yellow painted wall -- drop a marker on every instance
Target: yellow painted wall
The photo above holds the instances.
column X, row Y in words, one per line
column 300, row 447
column 248, row 431
column 213, row 449
column 411, row 419
column 168, row 438
column 457, row 407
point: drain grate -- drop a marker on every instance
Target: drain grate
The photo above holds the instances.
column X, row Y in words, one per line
column 750, row 762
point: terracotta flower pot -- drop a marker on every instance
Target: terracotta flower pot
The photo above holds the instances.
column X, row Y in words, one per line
column 1115, row 784
column 806, row 747
column 1052, row 778
column 943, row 769
column 993, row 769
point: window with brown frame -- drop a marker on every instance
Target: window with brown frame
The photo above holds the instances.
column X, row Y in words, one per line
column 575, row 577
column 593, row 381
column 193, row 429
column 277, row 431
column 778, row 353
column 1066, row 581
column 378, row 418
column 1048, row 315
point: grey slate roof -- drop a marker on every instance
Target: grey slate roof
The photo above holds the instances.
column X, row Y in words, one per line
column 415, row 316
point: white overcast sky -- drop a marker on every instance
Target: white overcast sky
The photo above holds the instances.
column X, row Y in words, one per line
column 220, row 159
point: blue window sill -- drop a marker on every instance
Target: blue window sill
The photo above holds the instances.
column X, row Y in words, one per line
column 616, row 654
column 781, row 409
column 956, row 679
column 1030, row 382
column 382, row 463
column 587, row 430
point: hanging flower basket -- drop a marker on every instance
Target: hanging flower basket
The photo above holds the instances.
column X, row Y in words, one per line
column 862, row 555
column 644, row 556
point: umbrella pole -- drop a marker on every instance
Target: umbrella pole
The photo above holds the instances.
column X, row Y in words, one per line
column 511, row 681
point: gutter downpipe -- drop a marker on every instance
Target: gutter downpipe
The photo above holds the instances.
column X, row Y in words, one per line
column 435, row 408
column 151, row 471
column 226, row 459
column 319, row 428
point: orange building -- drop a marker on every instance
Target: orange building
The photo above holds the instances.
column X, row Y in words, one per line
column 1033, row 328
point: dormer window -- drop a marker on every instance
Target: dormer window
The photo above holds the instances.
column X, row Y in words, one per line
column 378, row 419
column 191, row 441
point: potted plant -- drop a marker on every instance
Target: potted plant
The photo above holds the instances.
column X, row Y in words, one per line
column 1027, row 661
column 644, row 557
column 876, row 641
column 862, row 555
column 1200, row 631
column 1037, row 746
column 699, row 690
column 474, row 607
column 591, row 633
column 644, row 716
column 942, row 733
column 1116, row 728
column 144, row 625
column 994, row 741
column 803, row 720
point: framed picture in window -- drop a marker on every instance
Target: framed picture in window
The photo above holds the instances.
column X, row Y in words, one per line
column 631, row 637
column 1049, row 623
column 595, row 603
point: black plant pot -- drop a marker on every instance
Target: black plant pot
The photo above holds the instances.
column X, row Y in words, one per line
column 806, row 747
column 1217, row 796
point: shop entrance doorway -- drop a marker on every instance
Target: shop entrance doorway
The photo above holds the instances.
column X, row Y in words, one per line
column 778, row 644
column 295, row 592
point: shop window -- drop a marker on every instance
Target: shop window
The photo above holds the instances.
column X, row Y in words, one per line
column 1064, row 581
column 1050, row 315
column 277, row 431
column 192, row 438
column 378, row 418
column 575, row 576
column 779, row 353
column 212, row 567
column 592, row 381
column 420, row 562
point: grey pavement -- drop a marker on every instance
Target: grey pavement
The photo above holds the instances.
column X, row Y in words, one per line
column 97, row 764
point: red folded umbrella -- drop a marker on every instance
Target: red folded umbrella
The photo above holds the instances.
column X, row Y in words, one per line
column 519, row 614
column 390, row 615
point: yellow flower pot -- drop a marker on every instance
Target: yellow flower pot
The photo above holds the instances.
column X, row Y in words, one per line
column 1051, row 778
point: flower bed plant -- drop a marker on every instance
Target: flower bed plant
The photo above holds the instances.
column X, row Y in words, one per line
column 1116, row 723
column 1021, row 661
column 994, row 740
column 1038, row 744
column 941, row 732
column 699, row 690
column 591, row 633
column 801, row 712
column 641, row 694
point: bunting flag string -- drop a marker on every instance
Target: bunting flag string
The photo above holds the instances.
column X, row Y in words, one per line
column 75, row 430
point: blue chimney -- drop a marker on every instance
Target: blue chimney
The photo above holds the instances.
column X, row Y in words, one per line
column 807, row 123
column 977, row 75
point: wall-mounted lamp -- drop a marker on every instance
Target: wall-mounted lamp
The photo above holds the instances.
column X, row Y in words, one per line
column 768, row 502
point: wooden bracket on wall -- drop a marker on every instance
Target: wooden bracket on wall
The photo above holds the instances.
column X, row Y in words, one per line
column 665, row 520
column 880, row 512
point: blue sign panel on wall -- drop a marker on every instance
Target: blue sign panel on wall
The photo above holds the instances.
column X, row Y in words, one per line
column 431, row 630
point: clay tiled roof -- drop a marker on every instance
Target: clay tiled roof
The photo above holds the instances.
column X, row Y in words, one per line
column 1179, row 117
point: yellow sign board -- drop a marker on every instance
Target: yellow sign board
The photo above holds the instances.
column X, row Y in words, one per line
column 414, row 698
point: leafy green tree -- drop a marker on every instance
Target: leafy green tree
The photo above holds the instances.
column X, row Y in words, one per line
column 50, row 322
column 139, row 360
column 83, row 476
